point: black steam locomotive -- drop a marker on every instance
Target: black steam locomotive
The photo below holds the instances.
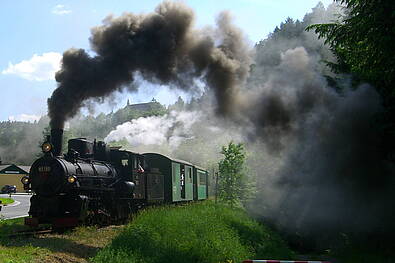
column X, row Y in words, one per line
column 96, row 184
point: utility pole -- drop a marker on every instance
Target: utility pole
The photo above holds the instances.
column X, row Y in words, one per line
column 216, row 186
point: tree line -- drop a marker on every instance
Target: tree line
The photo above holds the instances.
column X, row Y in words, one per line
column 20, row 141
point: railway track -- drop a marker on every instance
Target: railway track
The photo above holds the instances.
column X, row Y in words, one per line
column 26, row 233
column 37, row 232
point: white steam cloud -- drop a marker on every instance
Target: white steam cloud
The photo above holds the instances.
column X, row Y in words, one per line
column 171, row 129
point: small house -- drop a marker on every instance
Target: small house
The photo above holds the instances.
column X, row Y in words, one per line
column 12, row 174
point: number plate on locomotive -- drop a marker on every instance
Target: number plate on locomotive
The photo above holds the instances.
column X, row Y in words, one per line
column 44, row 169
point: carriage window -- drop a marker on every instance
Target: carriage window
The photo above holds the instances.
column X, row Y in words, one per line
column 134, row 162
column 173, row 174
column 190, row 174
column 202, row 178
column 182, row 175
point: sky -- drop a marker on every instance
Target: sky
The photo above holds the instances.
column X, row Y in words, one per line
column 34, row 34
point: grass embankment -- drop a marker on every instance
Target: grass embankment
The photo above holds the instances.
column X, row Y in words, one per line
column 76, row 246
column 203, row 232
column 6, row 201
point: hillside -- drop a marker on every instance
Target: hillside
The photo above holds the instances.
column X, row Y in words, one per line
column 20, row 141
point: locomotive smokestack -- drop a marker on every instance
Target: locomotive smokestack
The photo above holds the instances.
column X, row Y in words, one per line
column 56, row 140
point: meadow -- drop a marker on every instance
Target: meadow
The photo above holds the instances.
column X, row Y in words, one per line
column 202, row 232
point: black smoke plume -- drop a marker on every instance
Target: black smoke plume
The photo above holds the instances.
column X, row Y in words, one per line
column 330, row 177
column 163, row 47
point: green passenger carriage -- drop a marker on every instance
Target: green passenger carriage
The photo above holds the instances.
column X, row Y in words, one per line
column 182, row 180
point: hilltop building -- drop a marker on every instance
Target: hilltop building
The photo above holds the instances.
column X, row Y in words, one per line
column 147, row 106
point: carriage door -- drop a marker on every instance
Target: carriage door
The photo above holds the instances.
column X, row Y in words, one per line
column 182, row 180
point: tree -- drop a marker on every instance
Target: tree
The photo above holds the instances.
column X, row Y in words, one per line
column 231, row 183
column 179, row 105
column 362, row 40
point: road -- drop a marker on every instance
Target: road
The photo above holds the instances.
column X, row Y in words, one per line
column 19, row 208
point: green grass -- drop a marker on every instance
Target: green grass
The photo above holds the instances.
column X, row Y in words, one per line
column 203, row 232
column 6, row 201
column 74, row 246
column 11, row 225
column 10, row 253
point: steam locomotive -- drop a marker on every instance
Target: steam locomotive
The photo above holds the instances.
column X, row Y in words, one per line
column 96, row 184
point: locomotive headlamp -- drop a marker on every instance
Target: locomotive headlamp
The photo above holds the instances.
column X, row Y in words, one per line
column 71, row 179
column 46, row 147
column 25, row 180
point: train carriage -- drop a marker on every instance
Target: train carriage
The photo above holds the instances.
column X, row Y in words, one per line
column 178, row 177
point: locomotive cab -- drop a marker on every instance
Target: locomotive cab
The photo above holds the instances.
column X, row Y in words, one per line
column 131, row 167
